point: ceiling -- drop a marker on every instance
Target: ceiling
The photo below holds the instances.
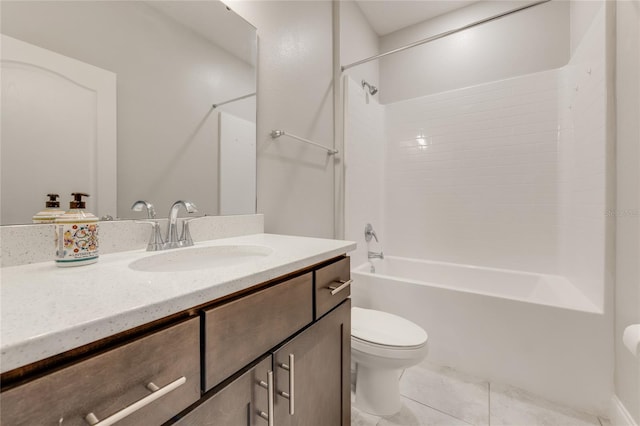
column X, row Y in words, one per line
column 387, row 16
column 215, row 22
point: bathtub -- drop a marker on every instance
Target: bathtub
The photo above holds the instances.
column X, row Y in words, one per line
column 536, row 332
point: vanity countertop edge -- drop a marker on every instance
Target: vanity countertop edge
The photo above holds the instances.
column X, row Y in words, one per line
column 46, row 310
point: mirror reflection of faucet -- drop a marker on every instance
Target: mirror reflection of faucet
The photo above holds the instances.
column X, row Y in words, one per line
column 171, row 240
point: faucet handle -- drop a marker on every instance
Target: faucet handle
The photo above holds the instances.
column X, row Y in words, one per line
column 369, row 232
column 155, row 240
column 185, row 235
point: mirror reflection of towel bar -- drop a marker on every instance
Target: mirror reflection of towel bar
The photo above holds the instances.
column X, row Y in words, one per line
column 278, row 133
column 233, row 100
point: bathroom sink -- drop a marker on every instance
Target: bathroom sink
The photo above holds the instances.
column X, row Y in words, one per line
column 196, row 258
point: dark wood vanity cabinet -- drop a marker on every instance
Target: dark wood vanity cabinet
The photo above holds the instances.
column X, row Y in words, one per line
column 308, row 377
column 107, row 383
column 277, row 355
column 304, row 326
column 238, row 332
column 331, row 285
column 318, row 384
column 241, row 402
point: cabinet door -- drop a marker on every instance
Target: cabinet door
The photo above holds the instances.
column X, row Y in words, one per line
column 237, row 404
column 312, row 373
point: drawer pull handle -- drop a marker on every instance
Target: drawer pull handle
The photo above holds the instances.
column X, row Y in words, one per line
column 291, row 395
column 343, row 285
column 268, row 416
column 156, row 393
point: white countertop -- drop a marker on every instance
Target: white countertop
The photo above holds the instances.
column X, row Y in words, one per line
column 47, row 310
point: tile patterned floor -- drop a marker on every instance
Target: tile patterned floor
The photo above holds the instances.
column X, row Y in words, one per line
column 433, row 395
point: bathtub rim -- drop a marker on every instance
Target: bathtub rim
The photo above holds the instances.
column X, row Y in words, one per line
column 584, row 305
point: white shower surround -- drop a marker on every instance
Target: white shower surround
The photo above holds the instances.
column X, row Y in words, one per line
column 513, row 177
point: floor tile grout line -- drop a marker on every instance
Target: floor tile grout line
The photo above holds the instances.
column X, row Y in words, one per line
column 437, row 409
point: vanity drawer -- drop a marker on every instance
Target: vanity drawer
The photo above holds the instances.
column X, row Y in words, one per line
column 332, row 285
column 107, row 383
column 240, row 331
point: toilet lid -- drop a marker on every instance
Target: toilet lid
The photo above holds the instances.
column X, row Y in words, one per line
column 386, row 329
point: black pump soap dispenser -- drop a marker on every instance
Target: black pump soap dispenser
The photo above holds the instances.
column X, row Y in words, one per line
column 51, row 211
column 76, row 234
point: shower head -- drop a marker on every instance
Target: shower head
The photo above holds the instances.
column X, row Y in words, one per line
column 372, row 89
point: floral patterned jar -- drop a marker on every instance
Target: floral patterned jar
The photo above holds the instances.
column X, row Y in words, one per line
column 76, row 235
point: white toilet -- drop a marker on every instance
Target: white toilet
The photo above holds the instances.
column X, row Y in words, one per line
column 382, row 346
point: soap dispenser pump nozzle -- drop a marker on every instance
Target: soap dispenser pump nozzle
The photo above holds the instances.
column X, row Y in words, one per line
column 51, row 212
column 78, row 202
column 53, row 201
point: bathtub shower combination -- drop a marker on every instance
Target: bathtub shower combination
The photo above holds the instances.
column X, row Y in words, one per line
column 529, row 330
column 488, row 198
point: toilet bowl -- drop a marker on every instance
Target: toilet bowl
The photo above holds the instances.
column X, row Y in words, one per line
column 382, row 346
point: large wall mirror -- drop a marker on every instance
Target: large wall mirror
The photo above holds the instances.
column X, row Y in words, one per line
column 127, row 101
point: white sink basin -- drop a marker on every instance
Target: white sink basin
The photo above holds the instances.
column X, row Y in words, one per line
column 195, row 258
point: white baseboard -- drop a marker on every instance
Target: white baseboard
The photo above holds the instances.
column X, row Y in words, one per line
column 619, row 415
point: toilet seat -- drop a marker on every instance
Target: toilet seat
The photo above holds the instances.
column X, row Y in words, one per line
column 364, row 343
column 371, row 328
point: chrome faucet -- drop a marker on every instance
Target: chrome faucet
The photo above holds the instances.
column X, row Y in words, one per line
column 140, row 204
column 375, row 255
column 172, row 240
column 155, row 241
column 368, row 234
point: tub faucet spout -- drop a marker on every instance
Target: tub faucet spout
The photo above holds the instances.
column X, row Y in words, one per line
column 375, row 255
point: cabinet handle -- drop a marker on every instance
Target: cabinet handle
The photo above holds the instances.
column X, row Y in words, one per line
column 268, row 416
column 156, row 393
column 343, row 285
column 291, row 396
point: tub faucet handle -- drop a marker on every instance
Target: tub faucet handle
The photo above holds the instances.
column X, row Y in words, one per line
column 369, row 232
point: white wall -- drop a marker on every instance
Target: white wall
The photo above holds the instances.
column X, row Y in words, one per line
column 363, row 132
column 364, row 175
column 483, row 189
column 586, row 169
column 295, row 94
column 533, row 40
column 581, row 15
column 627, row 299
column 358, row 41
column 582, row 155
column 167, row 133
